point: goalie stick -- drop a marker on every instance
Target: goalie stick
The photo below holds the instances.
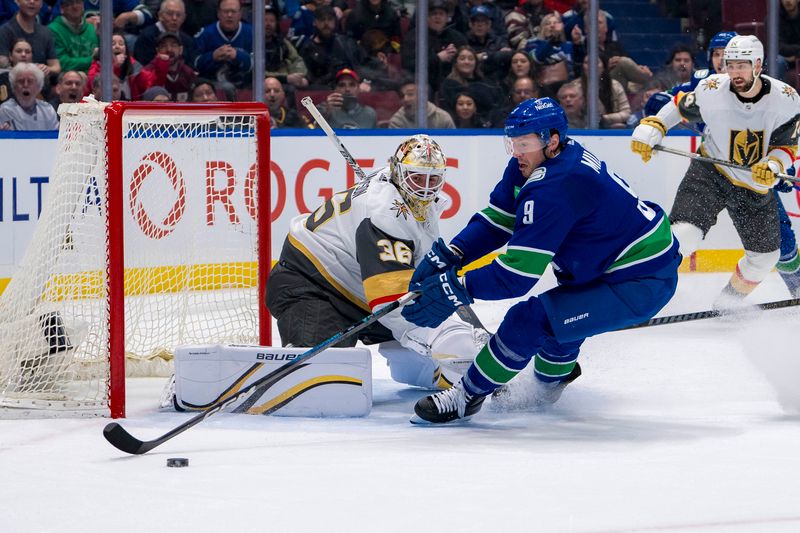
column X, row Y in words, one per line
column 124, row 441
column 715, row 161
column 308, row 103
column 700, row 315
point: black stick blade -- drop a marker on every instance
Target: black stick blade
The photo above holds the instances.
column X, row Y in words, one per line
column 122, row 440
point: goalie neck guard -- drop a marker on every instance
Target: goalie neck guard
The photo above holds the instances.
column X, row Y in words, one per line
column 418, row 170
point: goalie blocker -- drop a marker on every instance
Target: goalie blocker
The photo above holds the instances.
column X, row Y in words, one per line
column 338, row 382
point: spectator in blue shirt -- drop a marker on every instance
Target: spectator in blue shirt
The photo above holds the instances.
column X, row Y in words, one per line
column 225, row 48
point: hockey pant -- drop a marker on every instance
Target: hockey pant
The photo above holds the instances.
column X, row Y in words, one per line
column 551, row 328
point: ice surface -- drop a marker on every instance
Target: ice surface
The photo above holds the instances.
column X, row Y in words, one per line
column 684, row 427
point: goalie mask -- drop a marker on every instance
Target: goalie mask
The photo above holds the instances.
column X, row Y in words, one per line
column 418, row 170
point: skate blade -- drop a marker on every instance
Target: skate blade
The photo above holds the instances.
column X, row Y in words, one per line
column 417, row 421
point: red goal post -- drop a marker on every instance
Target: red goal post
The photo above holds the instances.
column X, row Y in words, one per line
column 155, row 233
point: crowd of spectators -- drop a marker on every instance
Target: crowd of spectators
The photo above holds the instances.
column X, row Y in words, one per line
column 355, row 58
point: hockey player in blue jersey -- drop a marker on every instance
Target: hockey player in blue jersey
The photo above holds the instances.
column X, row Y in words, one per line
column 614, row 256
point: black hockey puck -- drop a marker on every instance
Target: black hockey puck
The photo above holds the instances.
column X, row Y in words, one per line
column 177, row 462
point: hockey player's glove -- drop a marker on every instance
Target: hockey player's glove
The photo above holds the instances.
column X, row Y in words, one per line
column 440, row 257
column 764, row 172
column 441, row 294
column 647, row 134
column 784, row 186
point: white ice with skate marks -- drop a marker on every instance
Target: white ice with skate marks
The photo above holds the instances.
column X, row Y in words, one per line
column 670, row 428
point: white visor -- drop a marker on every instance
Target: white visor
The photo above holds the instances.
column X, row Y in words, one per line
column 524, row 144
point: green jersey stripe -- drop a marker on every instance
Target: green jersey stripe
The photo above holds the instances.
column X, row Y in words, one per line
column 655, row 242
column 551, row 369
column 498, row 219
column 529, row 262
column 491, row 368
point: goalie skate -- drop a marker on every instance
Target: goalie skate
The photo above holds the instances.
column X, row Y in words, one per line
column 526, row 392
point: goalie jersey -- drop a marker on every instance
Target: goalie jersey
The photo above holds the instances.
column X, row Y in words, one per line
column 363, row 244
column 741, row 130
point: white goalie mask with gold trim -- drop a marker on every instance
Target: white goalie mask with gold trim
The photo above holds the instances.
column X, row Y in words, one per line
column 418, row 170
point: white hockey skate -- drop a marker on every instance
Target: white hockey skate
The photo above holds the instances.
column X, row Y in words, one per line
column 528, row 393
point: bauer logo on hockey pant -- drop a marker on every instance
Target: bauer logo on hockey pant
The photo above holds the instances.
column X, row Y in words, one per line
column 572, row 319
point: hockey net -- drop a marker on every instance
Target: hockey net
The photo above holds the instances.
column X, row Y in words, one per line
column 149, row 238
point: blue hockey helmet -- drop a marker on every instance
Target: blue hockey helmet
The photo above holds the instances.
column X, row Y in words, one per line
column 721, row 39
column 656, row 102
column 535, row 116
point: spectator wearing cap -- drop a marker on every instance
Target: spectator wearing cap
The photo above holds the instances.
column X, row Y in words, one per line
column 171, row 16
column 443, row 42
column 224, row 48
column 167, row 69
column 489, row 46
column 281, row 59
column 280, row 114
column 75, row 39
column 490, row 10
column 406, row 116
column 327, row 52
column 25, row 112
column 481, row 36
column 341, row 107
column 374, row 15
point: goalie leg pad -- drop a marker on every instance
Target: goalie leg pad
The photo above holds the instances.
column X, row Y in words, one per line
column 337, row 382
column 430, row 372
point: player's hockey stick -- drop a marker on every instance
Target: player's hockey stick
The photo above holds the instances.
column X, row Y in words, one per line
column 700, row 315
column 124, row 441
column 716, row 161
column 309, row 104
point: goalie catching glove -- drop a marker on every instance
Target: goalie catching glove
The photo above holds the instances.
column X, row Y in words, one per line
column 441, row 295
column 440, row 257
column 649, row 132
column 764, row 172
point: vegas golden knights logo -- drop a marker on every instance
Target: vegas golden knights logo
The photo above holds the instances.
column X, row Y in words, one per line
column 746, row 147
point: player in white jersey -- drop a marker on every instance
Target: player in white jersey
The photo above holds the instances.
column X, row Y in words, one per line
column 751, row 120
column 357, row 252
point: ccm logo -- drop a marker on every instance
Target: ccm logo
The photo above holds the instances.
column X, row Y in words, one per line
column 448, row 290
column 576, row 318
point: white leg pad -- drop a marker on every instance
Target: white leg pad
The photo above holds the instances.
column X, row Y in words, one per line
column 337, row 382
column 689, row 236
column 755, row 266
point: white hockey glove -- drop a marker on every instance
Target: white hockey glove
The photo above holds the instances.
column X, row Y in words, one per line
column 647, row 134
column 764, row 172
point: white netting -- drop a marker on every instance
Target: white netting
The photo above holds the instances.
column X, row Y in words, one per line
column 190, row 241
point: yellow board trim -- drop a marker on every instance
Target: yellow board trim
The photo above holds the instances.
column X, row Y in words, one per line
column 210, row 276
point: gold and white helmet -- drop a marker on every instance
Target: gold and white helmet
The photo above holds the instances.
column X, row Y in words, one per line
column 418, row 170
